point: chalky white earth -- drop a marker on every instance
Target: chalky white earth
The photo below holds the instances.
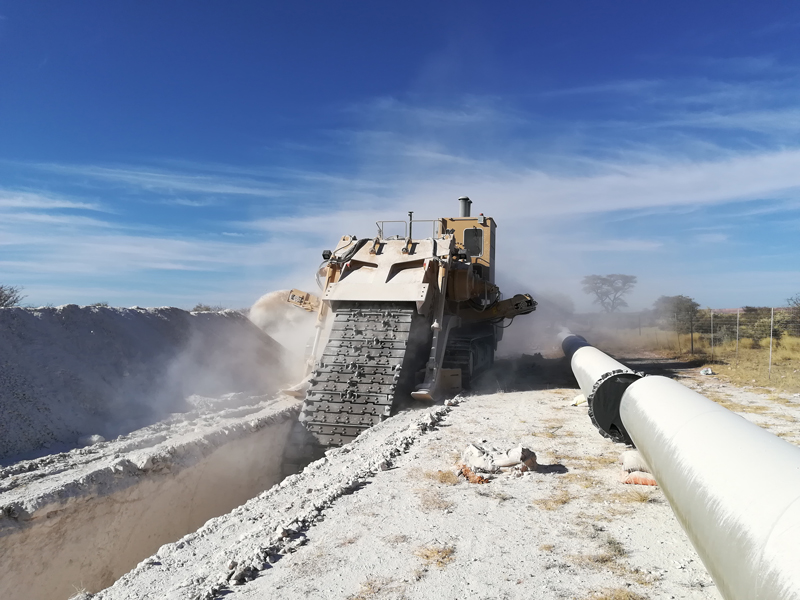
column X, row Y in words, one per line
column 193, row 507
column 384, row 518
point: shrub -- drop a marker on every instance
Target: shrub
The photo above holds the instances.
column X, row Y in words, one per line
column 10, row 296
column 200, row 307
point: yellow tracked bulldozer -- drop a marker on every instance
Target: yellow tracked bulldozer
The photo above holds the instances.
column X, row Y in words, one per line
column 402, row 317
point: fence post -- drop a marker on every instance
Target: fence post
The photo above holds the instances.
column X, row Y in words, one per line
column 691, row 327
column 771, row 325
column 678, row 334
column 737, row 336
column 712, row 334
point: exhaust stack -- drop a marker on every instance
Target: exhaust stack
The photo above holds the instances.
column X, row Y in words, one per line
column 465, row 204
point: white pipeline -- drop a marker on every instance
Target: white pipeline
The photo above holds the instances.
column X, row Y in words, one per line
column 734, row 487
column 591, row 366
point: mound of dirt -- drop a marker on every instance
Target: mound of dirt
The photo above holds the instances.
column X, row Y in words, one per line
column 71, row 372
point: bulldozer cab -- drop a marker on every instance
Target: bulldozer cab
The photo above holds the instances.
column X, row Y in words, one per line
column 476, row 237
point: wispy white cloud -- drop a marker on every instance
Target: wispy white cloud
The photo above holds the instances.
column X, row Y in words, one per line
column 34, row 200
column 779, row 121
column 188, row 202
column 116, row 253
column 777, row 27
column 50, row 219
column 530, row 193
column 173, row 182
column 468, row 110
column 625, row 86
column 759, row 65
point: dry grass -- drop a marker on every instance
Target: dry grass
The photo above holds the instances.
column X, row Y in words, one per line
column 637, row 496
column 615, row 547
column 602, row 559
column 612, row 551
column 785, row 417
column 726, row 402
column 443, row 477
column 781, row 400
column 748, row 366
column 601, row 460
column 554, row 432
column 496, row 494
column 379, row 587
column 430, row 501
column 398, row 539
column 437, row 556
column 555, row 501
column 588, row 461
column 551, row 429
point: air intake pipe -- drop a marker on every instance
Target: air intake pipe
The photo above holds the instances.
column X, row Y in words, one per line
column 465, row 206
column 734, row 487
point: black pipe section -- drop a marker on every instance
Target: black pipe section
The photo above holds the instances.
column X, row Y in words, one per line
column 572, row 343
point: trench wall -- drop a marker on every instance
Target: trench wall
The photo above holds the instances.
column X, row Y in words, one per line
column 88, row 541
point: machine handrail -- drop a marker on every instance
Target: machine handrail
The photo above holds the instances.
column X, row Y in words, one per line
column 380, row 225
column 434, row 221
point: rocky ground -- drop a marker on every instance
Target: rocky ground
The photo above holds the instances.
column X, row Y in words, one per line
column 389, row 517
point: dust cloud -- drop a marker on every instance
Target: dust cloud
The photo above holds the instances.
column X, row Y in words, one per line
column 219, row 361
column 290, row 326
column 536, row 332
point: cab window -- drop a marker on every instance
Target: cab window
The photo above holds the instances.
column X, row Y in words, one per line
column 473, row 241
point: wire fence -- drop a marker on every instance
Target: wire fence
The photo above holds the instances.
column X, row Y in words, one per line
column 764, row 341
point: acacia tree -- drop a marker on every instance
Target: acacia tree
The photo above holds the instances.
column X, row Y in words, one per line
column 609, row 289
column 10, row 296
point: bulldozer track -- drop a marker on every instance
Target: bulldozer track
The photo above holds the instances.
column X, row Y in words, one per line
column 363, row 369
column 464, row 354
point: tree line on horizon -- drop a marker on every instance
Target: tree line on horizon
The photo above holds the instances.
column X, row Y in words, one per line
column 682, row 314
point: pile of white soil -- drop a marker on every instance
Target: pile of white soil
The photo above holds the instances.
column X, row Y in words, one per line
column 71, row 372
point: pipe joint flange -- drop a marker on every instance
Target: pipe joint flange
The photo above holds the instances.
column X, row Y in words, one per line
column 604, row 401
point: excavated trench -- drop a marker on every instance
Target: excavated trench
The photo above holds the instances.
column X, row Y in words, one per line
column 188, row 402
column 80, row 529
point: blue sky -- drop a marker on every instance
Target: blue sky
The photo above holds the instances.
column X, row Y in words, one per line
column 174, row 153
